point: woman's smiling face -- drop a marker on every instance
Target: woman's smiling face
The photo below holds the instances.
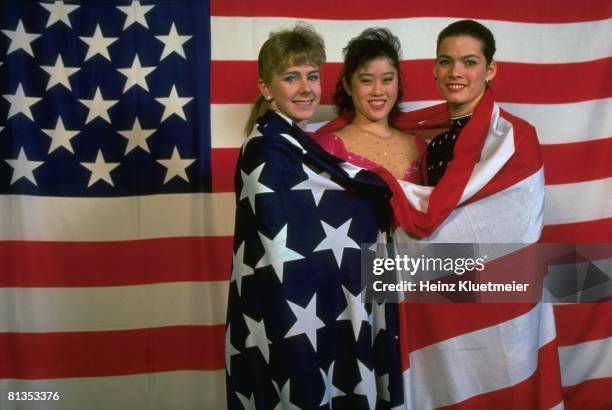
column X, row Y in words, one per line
column 296, row 92
column 462, row 71
column 374, row 89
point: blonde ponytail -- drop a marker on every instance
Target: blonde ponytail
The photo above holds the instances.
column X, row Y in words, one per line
column 260, row 106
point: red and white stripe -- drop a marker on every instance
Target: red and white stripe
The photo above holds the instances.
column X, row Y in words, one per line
column 79, row 325
column 488, row 362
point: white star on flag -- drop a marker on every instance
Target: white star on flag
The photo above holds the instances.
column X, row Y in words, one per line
column 277, row 252
column 350, row 169
column 137, row 137
column 367, row 384
column 136, row 75
column 20, row 39
column 251, row 186
column 173, row 104
column 98, row 44
column 284, row 397
column 247, row 403
column 253, row 135
column 331, row 391
column 60, row 136
column 98, row 107
column 230, row 350
column 173, row 43
column 307, row 322
column 257, row 337
column 377, row 319
column 355, row 311
column 20, row 103
column 336, row 240
column 23, row 168
column 100, row 170
column 317, row 184
column 239, row 268
column 59, row 73
column 59, row 12
column 175, row 166
column 135, row 13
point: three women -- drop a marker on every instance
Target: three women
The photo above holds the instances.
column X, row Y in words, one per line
column 297, row 328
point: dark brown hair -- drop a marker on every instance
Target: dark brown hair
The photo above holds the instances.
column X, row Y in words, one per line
column 472, row 29
column 371, row 44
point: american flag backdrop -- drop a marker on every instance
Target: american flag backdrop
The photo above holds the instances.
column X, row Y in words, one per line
column 120, row 125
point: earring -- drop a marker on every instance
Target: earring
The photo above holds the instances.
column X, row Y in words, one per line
column 487, row 83
column 268, row 98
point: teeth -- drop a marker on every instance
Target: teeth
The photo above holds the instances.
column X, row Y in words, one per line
column 455, row 87
column 377, row 102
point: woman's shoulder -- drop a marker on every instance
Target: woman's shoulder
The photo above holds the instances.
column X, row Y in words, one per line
column 327, row 137
column 332, row 142
column 271, row 136
column 419, row 141
column 405, row 134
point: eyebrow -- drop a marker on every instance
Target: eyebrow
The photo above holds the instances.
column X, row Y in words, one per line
column 371, row 75
column 298, row 72
column 461, row 58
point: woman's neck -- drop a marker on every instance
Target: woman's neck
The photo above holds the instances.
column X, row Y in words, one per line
column 459, row 110
column 381, row 125
column 459, row 117
column 302, row 123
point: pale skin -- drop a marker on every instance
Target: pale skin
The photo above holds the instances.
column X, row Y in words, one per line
column 295, row 92
column 461, row 71
column 374, row 90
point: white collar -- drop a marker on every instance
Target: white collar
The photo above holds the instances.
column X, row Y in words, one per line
column 284, row 117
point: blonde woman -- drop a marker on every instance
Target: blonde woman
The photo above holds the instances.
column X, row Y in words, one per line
column 298, row 334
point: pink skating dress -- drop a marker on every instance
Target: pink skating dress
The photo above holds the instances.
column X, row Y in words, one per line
column 335, row 146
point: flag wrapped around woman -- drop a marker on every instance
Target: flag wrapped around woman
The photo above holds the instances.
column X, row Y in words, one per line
column 492, row 191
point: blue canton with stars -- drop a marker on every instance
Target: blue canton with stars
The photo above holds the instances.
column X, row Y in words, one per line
column 104, row 98
column 298, row 334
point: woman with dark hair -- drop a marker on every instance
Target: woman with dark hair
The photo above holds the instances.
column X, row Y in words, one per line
column 464, row 68
column 370, row 90
column 487, row 174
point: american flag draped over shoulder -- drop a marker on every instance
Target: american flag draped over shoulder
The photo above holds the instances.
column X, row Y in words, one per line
column 495, row 186
column 492, row 192
column 299, row 335
column 119, row 300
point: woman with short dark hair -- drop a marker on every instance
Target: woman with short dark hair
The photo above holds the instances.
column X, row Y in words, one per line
column 370, row 91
